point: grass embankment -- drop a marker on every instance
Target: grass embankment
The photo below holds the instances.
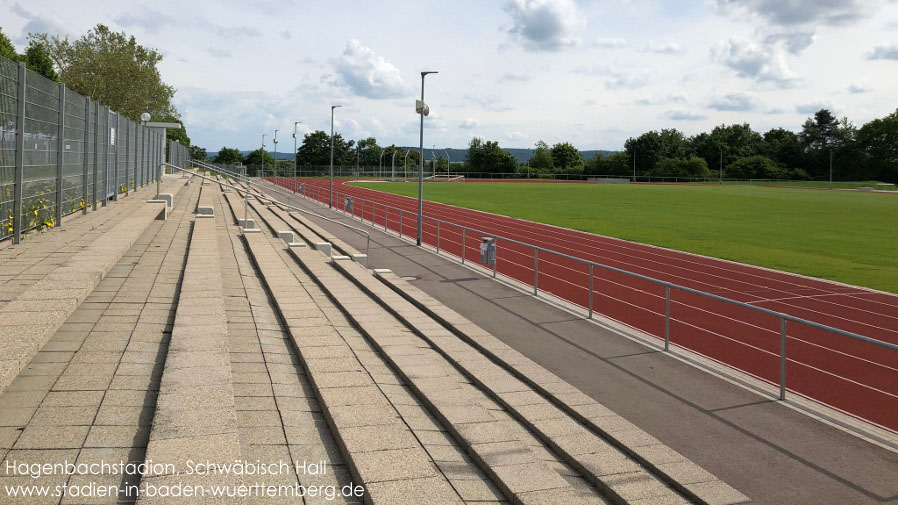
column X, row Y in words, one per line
column 844, row 236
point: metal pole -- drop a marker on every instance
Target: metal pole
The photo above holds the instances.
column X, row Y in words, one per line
column 782, row 358
column 96, row 151
column 330, row 201
column 720, row 172
column 447, row 163
column 393, row 166
column 84, row 179
column 667, row 318
column 400, row 224
column 60, row 150
column 294, row 155
column 634, row 163
column 421, row 167
column 275, row 157
column 438, row 237
column 535, row 271
column 463, row 230
column 591, row 295
column 496, row 260
column 20, row 155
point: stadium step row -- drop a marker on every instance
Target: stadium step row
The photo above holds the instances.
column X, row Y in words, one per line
column 538, row 439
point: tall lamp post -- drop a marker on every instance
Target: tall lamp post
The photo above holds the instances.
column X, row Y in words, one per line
column 393, row 165
column 447, row 163
column 295, row 123
column 275, row 158
column 422, row 109
column 405, row 165
column 330, row 199
column 262, row 155
column 381, row 163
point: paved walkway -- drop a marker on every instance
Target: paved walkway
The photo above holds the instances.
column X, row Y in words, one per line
column 771, row 453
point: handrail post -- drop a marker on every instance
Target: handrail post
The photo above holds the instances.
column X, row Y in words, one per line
column 667, row 317
column 782, row 358
column 591, row 292
column 463, row 230
column 496, row 260
column 535, row 271
column 400, row 223
column 438, row 237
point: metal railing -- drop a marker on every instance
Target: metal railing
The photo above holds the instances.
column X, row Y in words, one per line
column 379, row 215
column 61, row 152
column 260, row 194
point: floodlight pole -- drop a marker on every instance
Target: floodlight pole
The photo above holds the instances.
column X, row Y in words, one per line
column 330, row 199
column 405, row 165
column 295, row 123
column 421, row 165
column 275, row 158
column 634, row 163
column 720, row 172
column 381, row 162
column 262, row 155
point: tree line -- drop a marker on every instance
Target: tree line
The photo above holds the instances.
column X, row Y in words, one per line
column 110, row 67
column 866, row 153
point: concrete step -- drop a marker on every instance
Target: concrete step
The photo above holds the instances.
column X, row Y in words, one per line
column 31, row 318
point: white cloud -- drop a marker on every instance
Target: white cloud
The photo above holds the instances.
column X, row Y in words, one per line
column 515, row 135
column 813, row 107
column 608, row 43
column 733, row 102
column 755, row 61
column 884, row 52
column 368, row 74
column 38, row 23
column 663, row 47
column 660, row 100
column 856, row 89
column 678, row 114
column 513, row 77
column 545, row 25
column 487, row 102
column 793, row 42
column 469, row 123
column 150, row 20
column 218, row 52
column 798, row 12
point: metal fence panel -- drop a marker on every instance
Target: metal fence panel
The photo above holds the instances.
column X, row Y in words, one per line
column 73, row 151
column 41, row 150
column 9, row 87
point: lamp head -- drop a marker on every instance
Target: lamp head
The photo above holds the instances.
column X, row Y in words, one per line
column 145, row 117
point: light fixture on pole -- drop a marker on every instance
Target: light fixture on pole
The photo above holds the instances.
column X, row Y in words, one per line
column 381, row 163
column 330, row 199
column 422, row 109
column 275, row 168
column 295, row 123
column 405, row 165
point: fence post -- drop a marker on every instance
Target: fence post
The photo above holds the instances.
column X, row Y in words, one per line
column 535, row 272
column 128, row 143
column 60, row 149
column 96, row 152
column 782, row 358
column 84, row 179
column 667, row 317
column 20, row 156
column 591, row 295
column 117, row 144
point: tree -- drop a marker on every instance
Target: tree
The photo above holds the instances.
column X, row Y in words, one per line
column 369, row 152
column 7, row 50
column 782, row 146
column 878, row 141
column 541, row 161
column 112, row 68
column 824, row 138
column 198, row 153
column 37, row 60
column 651, row 147
column 316, row 150
column 229, row 155
column 731, row 141
column 258, row 158
column 567, row 158
column 756, row 167
column 614, row 164
column 489, row 157
column 681, row 167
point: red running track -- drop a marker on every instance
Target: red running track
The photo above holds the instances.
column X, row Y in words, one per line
column 850, row 375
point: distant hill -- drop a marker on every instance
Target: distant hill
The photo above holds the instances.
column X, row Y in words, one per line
column 455, row 155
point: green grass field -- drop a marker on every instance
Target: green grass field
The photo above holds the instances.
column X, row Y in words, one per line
column 849, row 237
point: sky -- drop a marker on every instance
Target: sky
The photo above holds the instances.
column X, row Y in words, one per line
column 589, row 72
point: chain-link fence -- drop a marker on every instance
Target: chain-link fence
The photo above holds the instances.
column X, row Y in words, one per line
column 61, row 152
